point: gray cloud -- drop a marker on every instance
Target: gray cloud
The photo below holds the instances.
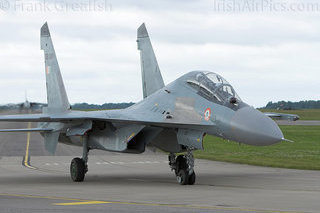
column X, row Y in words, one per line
column 265, row 56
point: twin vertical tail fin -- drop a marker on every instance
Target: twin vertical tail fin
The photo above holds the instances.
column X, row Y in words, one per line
column 151, row 76
column 56, row 93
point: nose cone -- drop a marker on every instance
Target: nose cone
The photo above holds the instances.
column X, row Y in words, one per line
column 252, row 127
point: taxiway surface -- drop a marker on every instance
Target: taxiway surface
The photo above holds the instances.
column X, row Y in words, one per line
column 144, row 183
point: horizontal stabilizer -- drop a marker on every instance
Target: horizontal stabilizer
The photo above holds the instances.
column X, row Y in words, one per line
column 27, row 130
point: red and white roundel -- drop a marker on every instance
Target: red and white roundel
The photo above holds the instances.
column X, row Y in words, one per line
column 207, row 114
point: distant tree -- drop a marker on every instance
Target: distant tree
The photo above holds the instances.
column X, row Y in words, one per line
column 288, row 105
column 80, row 106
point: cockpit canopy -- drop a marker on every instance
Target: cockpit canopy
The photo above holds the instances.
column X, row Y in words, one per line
column 213, row 87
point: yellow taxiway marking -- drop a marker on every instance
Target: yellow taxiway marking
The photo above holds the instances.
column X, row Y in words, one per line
column 80, row 203
column 87, row 202
column 28, row 144
column 26, row 157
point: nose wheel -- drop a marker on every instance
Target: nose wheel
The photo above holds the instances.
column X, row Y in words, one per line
column 183, row 168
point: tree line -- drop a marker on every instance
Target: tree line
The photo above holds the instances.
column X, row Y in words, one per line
column 288, row 105
column 78, row 106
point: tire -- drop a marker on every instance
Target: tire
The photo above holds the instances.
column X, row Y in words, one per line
column 192, row 178
column 181, row 163
column 182, row 177
column 77, row 169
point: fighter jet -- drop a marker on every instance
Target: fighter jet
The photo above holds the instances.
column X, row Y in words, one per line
column 28, row 106
column 173, row 117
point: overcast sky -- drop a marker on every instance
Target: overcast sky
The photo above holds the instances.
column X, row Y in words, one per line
column 268, row 50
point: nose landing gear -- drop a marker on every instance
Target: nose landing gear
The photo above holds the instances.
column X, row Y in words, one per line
column 183, row 167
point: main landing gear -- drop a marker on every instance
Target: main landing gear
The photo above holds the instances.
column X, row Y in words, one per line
column 183, row 167
column 79, row 166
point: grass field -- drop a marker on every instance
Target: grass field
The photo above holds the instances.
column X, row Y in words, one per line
column 305, row 114
column 304, row 153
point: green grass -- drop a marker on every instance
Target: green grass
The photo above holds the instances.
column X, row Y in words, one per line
column 305, row 114
column 304, row 153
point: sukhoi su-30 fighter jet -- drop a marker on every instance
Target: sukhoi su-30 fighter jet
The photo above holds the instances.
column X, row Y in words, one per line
column 173, row 118
column 28, row 106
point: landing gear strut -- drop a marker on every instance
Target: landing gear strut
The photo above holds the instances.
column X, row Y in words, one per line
column 183, row 167
column 79, row 166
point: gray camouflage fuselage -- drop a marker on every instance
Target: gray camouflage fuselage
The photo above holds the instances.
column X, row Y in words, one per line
column 180, row 103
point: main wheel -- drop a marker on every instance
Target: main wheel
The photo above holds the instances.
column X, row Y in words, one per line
column 182, row 177
column 181, row 163
column 192, row 178
column 77, row 169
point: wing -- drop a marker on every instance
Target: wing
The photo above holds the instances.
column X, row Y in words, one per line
column 113, row 116
column 282, row 116
column 28, row 130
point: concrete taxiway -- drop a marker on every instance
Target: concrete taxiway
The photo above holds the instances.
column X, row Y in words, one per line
column 142, row 183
